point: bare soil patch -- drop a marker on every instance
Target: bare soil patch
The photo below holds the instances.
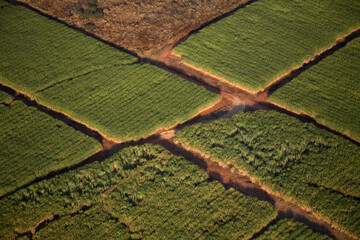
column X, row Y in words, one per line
column 141, row 26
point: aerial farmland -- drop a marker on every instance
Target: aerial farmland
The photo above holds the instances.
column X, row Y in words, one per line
column 201, row 119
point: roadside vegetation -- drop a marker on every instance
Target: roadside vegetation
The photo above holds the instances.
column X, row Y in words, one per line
column 34, row 144
column 140, row 192
column 91, row 81
column 266, row 39
column 328, row 91
column 297, row 160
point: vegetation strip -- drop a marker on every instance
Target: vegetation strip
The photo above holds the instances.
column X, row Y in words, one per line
column 328, row 91
column 7, row 95
column 106, row 84
column 307, row 119
column 231, row 89
column 257, row 101
column 21, row 96
column 152, row 188
column 285, row 229
column 34, row 144
column 236, row 179
column 240, row 93
column 254, row 46
column 340, row 43
column 81, row 30
column 312, row 155
column 141, row 27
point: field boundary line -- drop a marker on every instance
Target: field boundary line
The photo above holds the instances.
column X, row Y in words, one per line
column 307, row 64
column 202, row 78
column 334, row 191
column 304, row 117
column 61, row 116
column 213, row 85
column 56, row 216
column 284, row 207
column 85, row 128
column 242, row 4
column 109, row 147
column 77, row 29
column 265, row 228
column 97, row 199
column 100, row 154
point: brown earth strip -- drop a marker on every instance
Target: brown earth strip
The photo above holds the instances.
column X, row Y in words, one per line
column 81, row 126
column 229, row 176
column 172, row 63
column 190, row 73
column 81, row 30
column 40, row 225
column 110, row 147
column 223, row 174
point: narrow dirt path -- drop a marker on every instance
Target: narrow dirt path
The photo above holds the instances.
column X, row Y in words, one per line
column 109, row 147
column 172, row 63
column 243, row 184
column 234, row 100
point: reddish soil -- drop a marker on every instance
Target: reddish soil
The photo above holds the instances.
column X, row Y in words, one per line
column 138, row 25
column 227, row 89
column 223, row 103
column 230, row 176
column 256, row 100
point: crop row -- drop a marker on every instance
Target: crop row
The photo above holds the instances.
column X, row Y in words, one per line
column 140, row 192
column 288, row 229
column 329, row 91
column 90, row 81
column 34, row 144
column 266, row 39
column 297, row 160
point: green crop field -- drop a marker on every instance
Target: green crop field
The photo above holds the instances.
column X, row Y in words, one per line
column 140, row 192
column 4, row 99
column 328, row 91
column 261, row 174
column 90, row 81
column 267, row 38
column 295, row 159
column 3, row 3
column 34, row 144
column 290, row 230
